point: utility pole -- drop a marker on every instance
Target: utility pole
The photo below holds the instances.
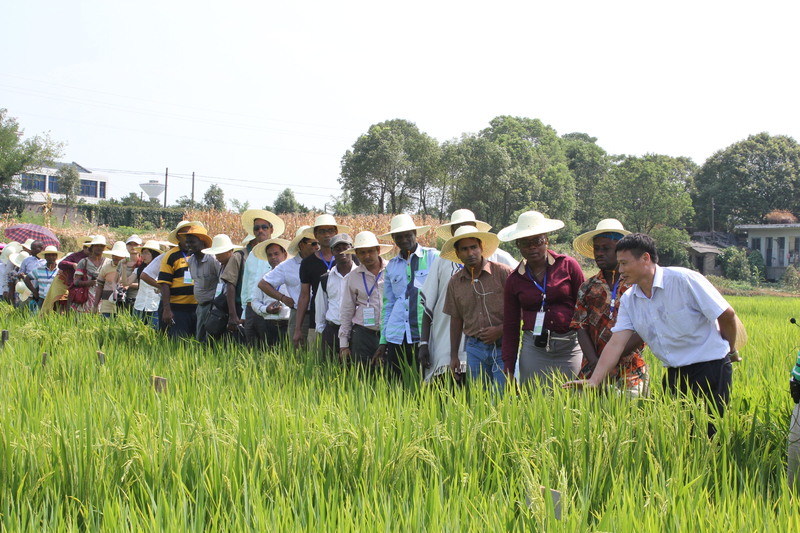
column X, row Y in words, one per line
column 166, row 184
column 712, row 217
column 192, row 190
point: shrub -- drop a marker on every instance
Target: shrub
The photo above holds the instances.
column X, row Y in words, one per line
column 791, row 279
column 735, row 264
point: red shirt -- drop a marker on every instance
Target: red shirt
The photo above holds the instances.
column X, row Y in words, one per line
column 522, row 300
column 67, row 266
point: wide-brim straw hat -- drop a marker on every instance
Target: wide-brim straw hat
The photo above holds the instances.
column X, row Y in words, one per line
column 528, row 224
column 98, row 239
column 367, row 239
column 402, row 223
column 325, row 220
column 247, row 239
column 119, row 249
column 152, row 245
column 741, row 334
column 584, row 243
column 52, row 250
column 17, row 258
column 249, row 217
column 172, row 238
column 23, row 291
column 489, row 242
column 221, row 244
column 260, row 249
column 27, row 244
column 461, row 216
column 294, row 246
column 84, row 241
column 201, row 233
column 11, row 248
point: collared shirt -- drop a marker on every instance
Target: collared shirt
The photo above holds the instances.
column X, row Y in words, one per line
column 261, row 302
column 174, row 270
column 254, row 271
column 679, row 321
column 154, row 267
column 42, row 278
column 205, row 274
column 29, row 264
column 287, row 274
column 327, row 303
column 593, row 314
column 311, row 270
column 523, row 300
column 233, row 270
column 355, row 299
column 402, row 312
column 477, row 302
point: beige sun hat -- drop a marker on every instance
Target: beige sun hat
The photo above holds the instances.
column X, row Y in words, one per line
column 461, row 216
column 97, row 239
column 221, row 244
column 367, row 239
column 584, row 243
column 23, row 291
column 247, row 239
column 27, row 245
column 172, row 238
column 260, row 249
column 52, row 250
column 118, row 250
column 84, row 241
column 489, row 241
column 150, row 245
column 529, row 223
column 17, row 258
column 11, row 248
column 403, row 222
column 249, row 217
column 325, row 220
column 294, row 246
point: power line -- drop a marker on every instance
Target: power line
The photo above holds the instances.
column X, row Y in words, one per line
column 232, row 179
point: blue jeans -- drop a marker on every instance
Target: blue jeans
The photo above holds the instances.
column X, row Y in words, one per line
column 485, row 363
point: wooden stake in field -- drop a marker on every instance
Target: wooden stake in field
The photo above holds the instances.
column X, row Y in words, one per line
column 101, row 358
column 44, row 359
column 3, row 338
column 159, row 384
column 556, row 496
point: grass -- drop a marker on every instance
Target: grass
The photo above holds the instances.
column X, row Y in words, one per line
column 280, row 441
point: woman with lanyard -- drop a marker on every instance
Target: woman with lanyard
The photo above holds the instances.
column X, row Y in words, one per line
column 597, row 307
column 540, row 293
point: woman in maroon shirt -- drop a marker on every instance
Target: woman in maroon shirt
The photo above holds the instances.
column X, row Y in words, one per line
column 541, row 293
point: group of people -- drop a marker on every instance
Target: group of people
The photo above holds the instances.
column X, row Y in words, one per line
column 470, row 310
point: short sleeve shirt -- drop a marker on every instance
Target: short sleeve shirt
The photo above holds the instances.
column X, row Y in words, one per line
column 175, row 273
column 107, row 279
column 478, row 303
column 311, row 270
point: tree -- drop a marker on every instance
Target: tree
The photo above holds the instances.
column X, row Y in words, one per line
column 240, row 207
column 214, row 198
column 17, row 156
column 186, row 203
column 287, row 203
column 747, row 180
column 69, row 183
column 589, row 165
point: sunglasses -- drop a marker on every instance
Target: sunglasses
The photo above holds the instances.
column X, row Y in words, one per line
column 329, row 231
column 262, row 226
column 310, row 243
column 527, row 243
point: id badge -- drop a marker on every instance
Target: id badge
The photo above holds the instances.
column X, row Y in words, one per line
column 220, row 287
column 369, row 316
column 537, row 327
column 187, row 278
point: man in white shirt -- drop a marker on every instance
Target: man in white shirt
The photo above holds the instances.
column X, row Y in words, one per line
column 328, row 299
column 684, row 320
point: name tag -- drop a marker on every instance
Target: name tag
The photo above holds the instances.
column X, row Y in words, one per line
column 369, row 316
column 537, row 327
column 220, row 288
column 187, row 278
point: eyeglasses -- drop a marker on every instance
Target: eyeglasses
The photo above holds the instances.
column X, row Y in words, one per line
column 262, row 226
column 329, row 231
column 527, row 243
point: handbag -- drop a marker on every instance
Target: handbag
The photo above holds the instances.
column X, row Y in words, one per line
column 218, row 317
column 78, row 295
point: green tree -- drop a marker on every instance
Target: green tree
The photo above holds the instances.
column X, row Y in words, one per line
column 69, row 183
column 735, row 264
column 240, row 207
column 671, row 246
column 747, row 180
column 214, row 198
column 287, row 203
column 18, row 156
column 589, row 165
column 186, row 203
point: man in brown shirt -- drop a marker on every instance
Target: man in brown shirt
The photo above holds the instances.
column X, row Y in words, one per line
column 474, row 302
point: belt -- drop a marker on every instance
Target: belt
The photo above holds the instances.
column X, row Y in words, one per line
column 367, row 330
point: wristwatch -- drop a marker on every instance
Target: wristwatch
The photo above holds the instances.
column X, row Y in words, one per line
column 422, row 343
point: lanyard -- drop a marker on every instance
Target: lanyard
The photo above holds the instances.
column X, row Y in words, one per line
column 47, row 273
column 543, row 287
column 328, row 265
column 369, row 291
column 614, row 296
column 185, row 259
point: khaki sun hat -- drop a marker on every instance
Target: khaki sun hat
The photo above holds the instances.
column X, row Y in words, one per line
column 461, row 216
column 584, row 243
column 97, row 239
column 17, row 258
column 84, row 241
column 23, row 291
column 52, row 250
column 260, row 249
column 741, row 334
column 403, row 222
column 118, row 250
column 528, row 224
column 221, row 244
column 172, row 238
column 155, row 246
column 367, row 239
column 294, row 246
column 249, row 217
column 201, row 233
column 325, row 220
column 489, row 241
column 11, row 248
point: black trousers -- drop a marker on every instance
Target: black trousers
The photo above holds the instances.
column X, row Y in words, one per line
column 711, row 380
column 330, row 340
column 402, row 359
column 364, row 342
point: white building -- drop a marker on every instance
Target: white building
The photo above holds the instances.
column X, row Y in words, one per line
column 779, row 245
column 41, row 182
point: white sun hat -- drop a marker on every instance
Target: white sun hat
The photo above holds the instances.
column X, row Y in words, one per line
column 52, row 250
column 403, row 222
column 27, row 244
column 17, row 258
column 152, row 245
column 325, row 220
column 247, row 239
column 294, row 246
column 367, row 239
column 135, row 239
column 584, row 243
column 461, row 216
column 172, row 238
column 249, row 217
column 528, row 224
column 221, row 244
column 489, row 241
column 260, row 249
column 23, row 291
column 11, row 248
column 118, row 250
column 97, row 239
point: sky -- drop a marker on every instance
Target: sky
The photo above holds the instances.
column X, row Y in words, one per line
column 260, row 96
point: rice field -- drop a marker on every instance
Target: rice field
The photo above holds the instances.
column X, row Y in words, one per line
column 279, row 441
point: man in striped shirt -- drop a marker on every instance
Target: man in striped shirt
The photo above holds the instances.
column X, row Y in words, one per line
column 40, row 278
column 177, row 288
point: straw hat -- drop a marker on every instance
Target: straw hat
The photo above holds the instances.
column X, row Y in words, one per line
column 294, row 246
column 260, row 249
column 201, row 233
column 11, row 248
column 118, row 250
column 325, row 220
column 367, row 239
column 529, row 223
column 247, row 239
column 28, row 244
column 97, row 239
column 52, row 250
column 461, row 216
column 134, row 238
column 489, row 240
column 23, row 291
column 83, row 241
column 584, row 243
column 249, row 217
column 221, row 244
column 150, row 245
column 17, row 258
column 172, row 238
column 741, row 334
column 403, row 222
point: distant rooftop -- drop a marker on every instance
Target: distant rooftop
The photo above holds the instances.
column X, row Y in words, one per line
column 767, row 226
column 59, row 164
